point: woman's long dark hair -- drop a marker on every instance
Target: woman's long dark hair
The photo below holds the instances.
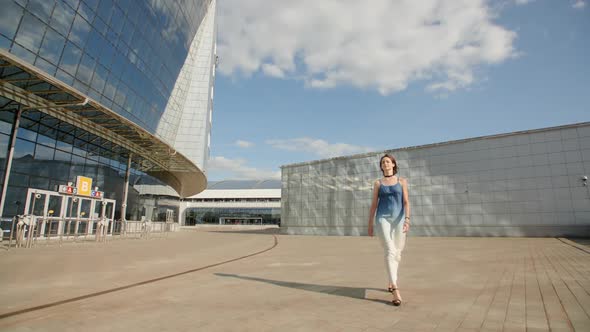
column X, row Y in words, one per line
column 387, row 155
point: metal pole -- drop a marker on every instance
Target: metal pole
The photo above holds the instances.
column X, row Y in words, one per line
column 71, row 199
column 77, row 226
column 32, row 214
column 9, row 160
column 125, row 193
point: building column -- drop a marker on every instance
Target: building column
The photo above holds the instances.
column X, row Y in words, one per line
column 9, row 159
column 181, row 213
column 125, row 194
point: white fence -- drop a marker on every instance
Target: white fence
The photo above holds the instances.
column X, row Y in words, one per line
column 28, row 231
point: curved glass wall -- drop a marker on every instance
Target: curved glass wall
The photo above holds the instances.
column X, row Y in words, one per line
column 127, row 55
column 143, row 60
column 48, row 156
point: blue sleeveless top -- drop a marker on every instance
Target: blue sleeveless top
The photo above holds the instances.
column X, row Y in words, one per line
column 391, row 203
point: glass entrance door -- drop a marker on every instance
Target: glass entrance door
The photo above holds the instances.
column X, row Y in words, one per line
column 47, row 207
column 71, row 215
column 59, row 214
column 104, row 210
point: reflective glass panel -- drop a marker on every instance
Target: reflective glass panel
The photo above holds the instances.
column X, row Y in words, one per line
column 86, row 12
column 85, row 208
column 39, row 182
column 117, row 20
column 47, row 141
column 80, row 30
column 43, row 153
column 72, row 206
column 73, row 3
column 23, row 53
column 71, row 58
column 62, row 156
column 37, row 204
column 52, row 46
column 6, row 127
column 92, row 4
column 30, row 32
column 4, row 141
column 41, row 8
column 5, row 42
column 98, row 80
column 62, row 18
column 54, row 205
column 86, row 68
column 10, row 15
column 105, row 9
column 45, row 66
column 18, row 179
column 29, row 133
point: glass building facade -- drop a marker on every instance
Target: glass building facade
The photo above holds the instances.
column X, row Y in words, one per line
column 89, row 87
column 234, row 202
column 233, row 216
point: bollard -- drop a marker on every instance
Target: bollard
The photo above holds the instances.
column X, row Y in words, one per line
column 12, row 231
column 20, row 231
column 100, row 235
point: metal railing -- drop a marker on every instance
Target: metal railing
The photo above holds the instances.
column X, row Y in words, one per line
column 27, row 231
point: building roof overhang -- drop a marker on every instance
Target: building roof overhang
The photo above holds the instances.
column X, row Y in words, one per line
column 33, row 89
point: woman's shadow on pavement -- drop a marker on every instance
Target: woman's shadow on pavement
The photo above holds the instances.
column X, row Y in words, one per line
column 353, row 292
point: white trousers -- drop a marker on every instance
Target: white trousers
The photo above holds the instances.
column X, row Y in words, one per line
column 393, row 240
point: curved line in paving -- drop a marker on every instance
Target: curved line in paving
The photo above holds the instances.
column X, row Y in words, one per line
column 112, row 290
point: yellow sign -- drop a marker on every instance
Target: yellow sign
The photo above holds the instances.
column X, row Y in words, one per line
column 84, row 185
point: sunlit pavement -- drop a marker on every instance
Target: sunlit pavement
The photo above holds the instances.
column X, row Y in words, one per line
column 304, row 283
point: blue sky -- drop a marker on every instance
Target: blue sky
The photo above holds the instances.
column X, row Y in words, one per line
column 307, row 80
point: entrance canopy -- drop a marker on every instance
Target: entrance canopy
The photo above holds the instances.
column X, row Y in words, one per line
column 28, row 88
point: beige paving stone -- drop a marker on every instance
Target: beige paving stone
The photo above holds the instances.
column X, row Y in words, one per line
column 450, row 322
column 575, row 313
column 513, row 328
column 555, row 314
column 496, row 315
column 535, row 311
column 305, row 283
column 516, row 313
column 479, row 310
column 573, row 279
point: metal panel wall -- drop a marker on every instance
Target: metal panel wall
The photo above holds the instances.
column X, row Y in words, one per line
column 518, row 184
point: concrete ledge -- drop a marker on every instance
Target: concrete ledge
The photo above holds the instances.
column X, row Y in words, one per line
column 227, row 227
column 574, row 244
column 453, row 231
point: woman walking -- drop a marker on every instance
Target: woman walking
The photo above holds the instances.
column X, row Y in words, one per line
column 392, row 218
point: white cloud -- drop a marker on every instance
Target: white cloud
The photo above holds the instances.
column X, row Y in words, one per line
column 236, row 169
column 523, row 2
column 244, row 144
column 384, row 45
column 579, row 4
column 318, row 147
column 273, row 70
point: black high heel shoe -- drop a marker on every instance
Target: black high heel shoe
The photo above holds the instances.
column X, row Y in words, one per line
column 395, row 302
column 390, row 289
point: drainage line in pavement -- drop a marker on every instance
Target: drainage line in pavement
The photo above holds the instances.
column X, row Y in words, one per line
column 112, row 290
column 573, row 244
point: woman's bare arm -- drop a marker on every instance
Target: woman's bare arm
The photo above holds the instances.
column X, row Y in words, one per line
column 373, row 206
column 407, row 208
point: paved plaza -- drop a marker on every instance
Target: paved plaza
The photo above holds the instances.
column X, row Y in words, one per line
column 211, row 280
